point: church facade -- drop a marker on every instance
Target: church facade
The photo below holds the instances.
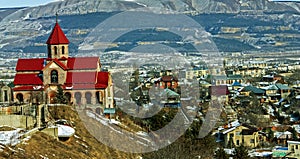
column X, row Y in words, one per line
column 83, row 83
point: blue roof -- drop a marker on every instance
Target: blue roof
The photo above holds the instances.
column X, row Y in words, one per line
column 236, row 84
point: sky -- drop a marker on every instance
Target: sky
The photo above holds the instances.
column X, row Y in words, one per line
column 22, row 3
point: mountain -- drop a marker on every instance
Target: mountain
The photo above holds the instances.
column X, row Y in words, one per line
column 242, row 22
column 71, row 7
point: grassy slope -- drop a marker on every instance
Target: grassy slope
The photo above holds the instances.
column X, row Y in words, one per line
column 83, row 145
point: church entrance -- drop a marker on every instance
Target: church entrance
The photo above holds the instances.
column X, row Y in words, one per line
column 52, row 96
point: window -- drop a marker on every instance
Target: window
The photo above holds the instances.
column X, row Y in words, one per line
column 237, row 142
column 54, row 76
column 49, row 51
column 63, row 50
column 252, row 141
column 296, row 146
column 55, row 50
column 5, row 96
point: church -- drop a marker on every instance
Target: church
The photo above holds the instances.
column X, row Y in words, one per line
column 81, row 79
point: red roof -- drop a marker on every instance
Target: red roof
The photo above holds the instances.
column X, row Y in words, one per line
column 60, row 64
column 102, row 78
column 168, row 79
column 30, row 65
column 82, row 63
column 81, row 77
column 57, row 36
column 28, row 79
column 87, row 80
column 219, row 90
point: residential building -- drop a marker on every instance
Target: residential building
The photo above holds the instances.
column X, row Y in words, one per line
column 290, row 152
column 243, row 135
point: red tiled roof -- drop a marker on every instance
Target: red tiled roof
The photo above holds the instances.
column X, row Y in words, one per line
column 219, row 90
column 82, row 63
column 60, row 64
column 63, row 58
column 168, row 78
column 81, row 77
column 57, row 36
column 102, row 78
column 86, row 80
column 30, row 65
column 27, row 79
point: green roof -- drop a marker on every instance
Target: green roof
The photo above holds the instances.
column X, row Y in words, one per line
column 234, row 77
column 272, row 87
column 282, row 86
column 170, row 92
column 254, row 90
column 109, row 110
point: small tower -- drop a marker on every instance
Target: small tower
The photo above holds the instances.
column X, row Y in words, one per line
column 57, row 43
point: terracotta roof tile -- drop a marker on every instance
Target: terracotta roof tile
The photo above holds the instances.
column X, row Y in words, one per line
column 102, row 78
column 57, row 36
column 30, row 65
column 28, row 79
column 81, row 77
column 63, row 66
column 82, row 63
column 219, row 90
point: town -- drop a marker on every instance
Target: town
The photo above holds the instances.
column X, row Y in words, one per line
column 261, row 93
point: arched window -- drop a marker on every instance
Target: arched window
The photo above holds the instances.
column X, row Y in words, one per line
column 49, row 51
column 54, row 76
column 63, row 50
column 20, row 97
column 55, row 50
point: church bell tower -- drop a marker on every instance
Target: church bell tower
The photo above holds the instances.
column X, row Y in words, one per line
column 57, row 43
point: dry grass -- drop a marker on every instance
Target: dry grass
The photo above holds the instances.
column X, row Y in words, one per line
column 82, row 145
column 6, row 128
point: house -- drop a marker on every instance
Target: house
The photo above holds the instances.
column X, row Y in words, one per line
column 219, row 80
column 243, row 135
column 83, row 82
column 197, row 72
column 172, row 99
column 272, row 93
column 294, row 149
column 283, row 89
column 234, row 78
column 290, row 152
column 203, row 88
column 236, row 85
column 282, row 137
column 168, row 81
column 248, row 90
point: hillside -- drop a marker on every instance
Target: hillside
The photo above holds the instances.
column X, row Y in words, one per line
column 81, row 145
column 253, row 25
column 236, row 25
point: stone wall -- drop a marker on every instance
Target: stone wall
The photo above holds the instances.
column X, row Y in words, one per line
column 51, row 132
column 18, row 121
